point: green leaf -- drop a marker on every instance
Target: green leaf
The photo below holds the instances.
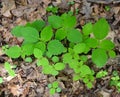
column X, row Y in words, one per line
column 99, row 57
column 38, row 25
column 49, row 85
column 79, row 48
column 55, row 21
column 11, row 73
column 107, row 44
column 58, row 90
column 30, row 35
column 55, row 59
column 52, row 91
column 17, row 31
column 27, row 50
column 112, row 54
column 60, row 34
column 84, row 69
column 55, row 84
column 1, row 80
column 14, row 52
column 28, row 59
column 67, row 57
column 59, row 66
column 76, row 77
column 41, row 46
column 91, row 42
column 101, row 29
column 46, row 33
column 89, row 85
column 37, row 53
column 68, row 21
column 52, row 9
column 43, row 62
column 87, row 29
column 54, row 72
column 74, row 35
column 55, row 47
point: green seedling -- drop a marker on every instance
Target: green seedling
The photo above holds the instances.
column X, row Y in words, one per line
column 54, row 87
column 9, row 69
column 115, row 80
column 58, row 43
column 101, row 74
column 107, row 8
column 52, row 9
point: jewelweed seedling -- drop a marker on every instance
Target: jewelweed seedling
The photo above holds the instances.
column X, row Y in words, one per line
column 54, row 87
column 52, row 9
column 58, row 43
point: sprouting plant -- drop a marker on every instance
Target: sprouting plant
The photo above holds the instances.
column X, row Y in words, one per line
column 115, row 80
column 9, row 69
column 101, row 73
column 54, row 87
column 52, row 9
column 58, row 43
column 107, row 8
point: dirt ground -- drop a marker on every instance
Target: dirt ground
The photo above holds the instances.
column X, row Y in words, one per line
column 30, row 82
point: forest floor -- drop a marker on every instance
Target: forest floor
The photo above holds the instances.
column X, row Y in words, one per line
column 30, row 82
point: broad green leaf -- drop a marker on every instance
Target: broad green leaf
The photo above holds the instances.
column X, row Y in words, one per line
column 55, row 84
column 68, row 21
column 43, row 62
column 17, row 31
column 107, row 45
column 41, row 46
column 47, row 69
column 99, row 57
column 30, row 35
column 112, row 54
column 79, row 48
column 91, row 42
column 55, row 21
column 101, row 29
column 46, row 33
column 11, row 73
column 58, row 90
column 59, row 66
column 67, row 57
column 52, row 91
column 37, row 53
column 84, row 69
column 14, row 52
column 54, row 72
column 1, row 80
column 60, row 34
column 73, row 64
column 27, row 50
column 74, row 36
column 55, row 47
column 49, row 85
column 38, row 25
column 87, row 29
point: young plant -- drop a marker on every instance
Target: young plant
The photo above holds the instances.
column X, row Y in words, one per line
column 52, row 9
column 59, row 43
column 9, row 69
column 115, row 80
column 54, row 87
column 101, row 74
column 1, row 80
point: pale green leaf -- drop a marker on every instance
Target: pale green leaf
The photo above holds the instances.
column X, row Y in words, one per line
column 14, row 52
column 87, row 29
column 59, row 66
column 52, row 91
column 112, row 54
column 37, row 53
